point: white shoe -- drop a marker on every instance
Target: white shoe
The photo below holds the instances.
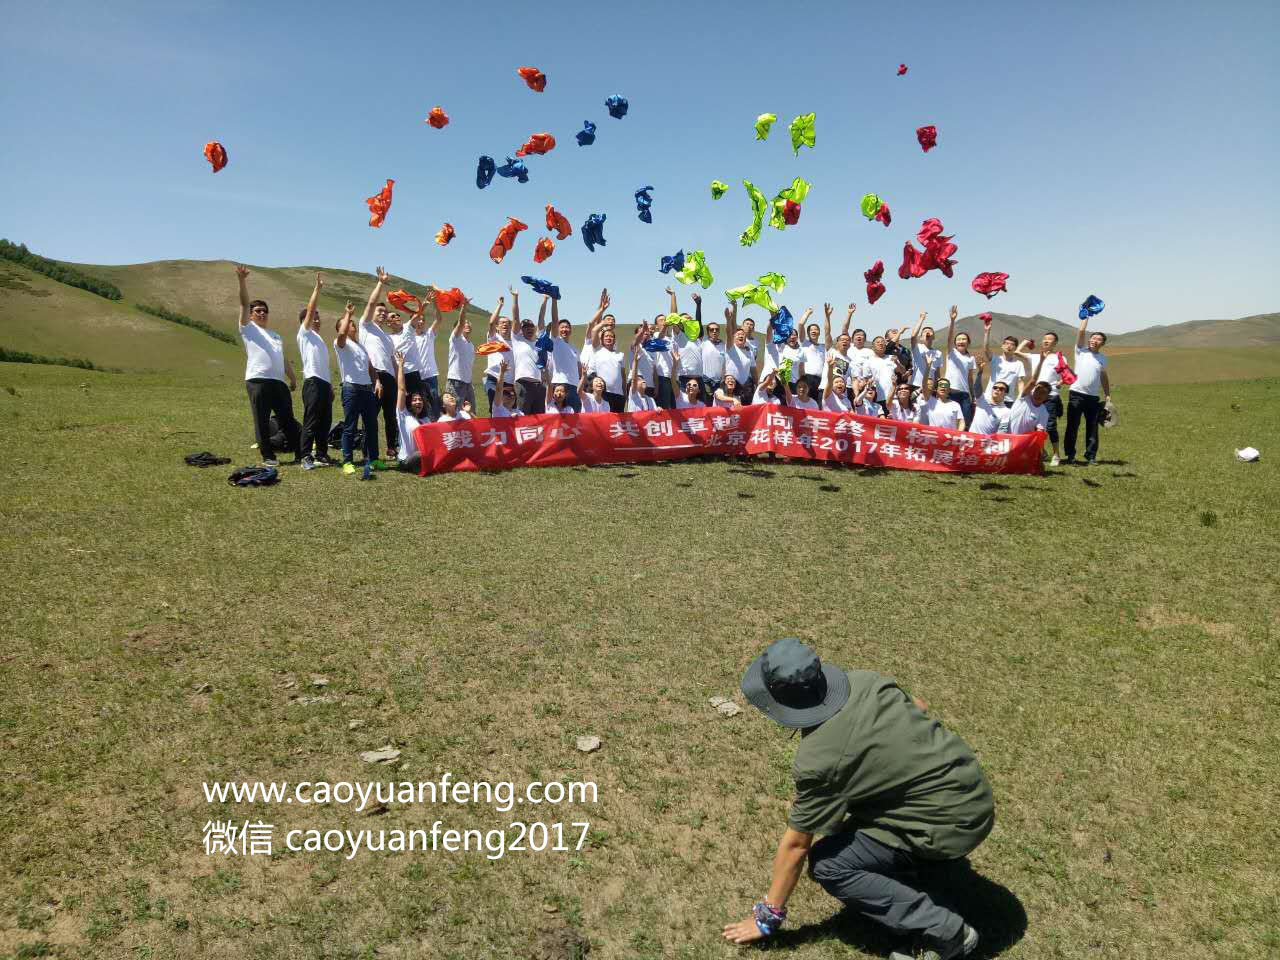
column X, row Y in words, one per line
column 1054, row 462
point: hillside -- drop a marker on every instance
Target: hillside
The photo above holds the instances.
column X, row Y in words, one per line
column 1260, row 330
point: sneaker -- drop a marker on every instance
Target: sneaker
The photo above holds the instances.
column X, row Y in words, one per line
column 271, row 463
column 325, row 462
column 368, row 472
column 377, row 465
column 1054, row 462
column 964, row 943
column 348, row 467
column 308, row 463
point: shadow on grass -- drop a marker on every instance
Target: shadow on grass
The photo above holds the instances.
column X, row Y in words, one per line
column 1090, row 483
column 992, row 485
column 989, row 907
column 754, row 472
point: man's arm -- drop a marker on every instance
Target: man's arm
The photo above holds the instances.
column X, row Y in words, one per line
column 731, row 322
column 311, row 304
column 555, row 318
column 542, row 313
column 374, row 297
column 435, row 324
column 788, row 864
column 853, row 308
column 242, row 273
column 402, row 396
column 951, row 332
column 986, row 341
column 915, row 334
column 1035, row 377
column 697, row 311
column 462, row 315
column 344, row 325
column 1081, row 337
column 493, row 319
column 826, row 327
column 515, row 310
column 1106, row 385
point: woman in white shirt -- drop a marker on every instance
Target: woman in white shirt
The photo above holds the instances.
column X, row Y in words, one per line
column 411, row 413
column 960, row 369
column 902, row 407
column 727, row 394
column 835, row 395
column 802, row 400
column 691, row 395
column 766, row 392
column 359, row 389
column 638, row 399
column 865, row 403
column 594, row 399
column 450, row 410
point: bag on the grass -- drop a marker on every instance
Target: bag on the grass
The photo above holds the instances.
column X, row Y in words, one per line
column 205, row 459
column 278, row 438
column 335, row 438
column 254, row 477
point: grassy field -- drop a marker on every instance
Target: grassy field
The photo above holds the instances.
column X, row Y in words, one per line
column 1105, row 639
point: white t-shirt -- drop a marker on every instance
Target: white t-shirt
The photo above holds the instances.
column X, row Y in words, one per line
column 500, row 412
column 353, row 363
column 493, row 361
column 690, row 355
column 564, row 362
column 1006, row 372
column 405, row 342
column 898, row 412
column 379, row 345
column 882, row 370
column 868, row 408
column 591, row 405
column 1089, row 367
column 775, row 353
column 525, row 357
column 713, row 360
column 922, row 356
column 426, row 344
column 683, row 404
column 315, row 354
column 835, row 403
column 860, row 355
column 1049, row 371
column 1026, row 417
column 844, row 366
column 799, row 404
column 608, row 364
column 640, row 402
column 460, row 415
column 989, row 418
column 407, row 423
column 753, row 347
column 584, row 357
column 764, row 396
column 644, row 359
column 959, row 366
column 815, row 357
column 938, row 414
column 462, row 358
column 662, row 361
column 264, row 353
column 739, row 362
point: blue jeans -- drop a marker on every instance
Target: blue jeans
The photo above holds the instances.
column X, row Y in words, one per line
column 966, row 406
column 359, row 402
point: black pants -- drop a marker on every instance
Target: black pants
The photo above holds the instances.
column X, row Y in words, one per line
column 617, row 402
column 531, row 395
column 1090, row 408
column 412, row 383
column 431, row 394
column 265, row 398
column 665, row 396
column 388, row 404
column 873, row 879
column 1055, row 411
column 359, row 403
column 317, row 416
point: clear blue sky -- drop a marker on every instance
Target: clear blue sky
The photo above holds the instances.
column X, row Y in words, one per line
column 1123, row 149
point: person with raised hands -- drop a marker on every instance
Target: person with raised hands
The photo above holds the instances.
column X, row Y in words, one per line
column 690, row 394
column 990, row 415
column 638, row 399
column 814, row 352
column 1088, row 395
column 727, row 393
column 835, row 392
column 713, row 363
column 376, row 328
column 903, row 407
column 265, row 370
column 843, row 363
column 739, row 358
column 883, row 369
column 689, row 349
column 1007, row 367
column 865, row 402
column 360, row 388
column 530, row 393
column 499, row 331
column 462, row 358
column 565, row 367
column 591, row 390
column 960, row 368
column 923, row 354
column 411, row 412
column 504, row 401
column 790, row 354
column 607, row 361
column 424, row 342
column 317, row 387
column 767, row 392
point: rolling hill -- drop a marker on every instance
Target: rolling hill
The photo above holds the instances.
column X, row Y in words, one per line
column 1260, row 330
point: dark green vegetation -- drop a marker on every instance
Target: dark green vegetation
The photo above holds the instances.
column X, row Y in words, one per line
column 62, row 272
column 166, row 314
column 21, row 356
column 1110, row 653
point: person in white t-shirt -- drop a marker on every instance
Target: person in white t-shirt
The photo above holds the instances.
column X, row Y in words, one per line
column 424, row 342
column 317, row 387
column 607, row 361
column 638, row 399
column 360, row 386
column 902, row 407
column 593, row 396
column 935, row 406
column 499, row 331
column 990, row 415
column 923, row 354
column 530, row 392
column 961, row 368
column 504, row 402
column 883, row 368
column 376, row 336
column 566, row 365
column 1030, row 412
column 691, row 396
column 766, row 393
column 814, row 352
column 688, row 349
column 713, row 350
column 726, row 394
column 865, row 403
column 835, row 393
column 739, row 358
column 1051, row 374
column 859, row 352
column 802, row 400
column 451, row 409
column 264, row 374
column 411, row 412
column 776, row 354
column 1006, row 367
column 1088, row 395
column 462, row 356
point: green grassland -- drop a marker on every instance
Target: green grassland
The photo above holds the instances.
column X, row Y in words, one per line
column 1105, row 639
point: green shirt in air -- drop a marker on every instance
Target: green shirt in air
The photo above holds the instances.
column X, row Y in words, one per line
column 884, row 766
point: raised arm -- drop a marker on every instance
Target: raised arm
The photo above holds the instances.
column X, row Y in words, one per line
column 462, row 315
column 493, row 319
column 435, row 324
column 598, row 316
column 915, row 334
column 402, row 395
column 674, row 308
column 826, row 327
column 345, row 325
column 731, row 322
column 242, row 274
column 636, row 346
column 951, row 330
column 853, row 308
column 986, row 339
column 555, row 318
column 1082, row 336
column 831, row 364
column 697, row 311
column 311, row 304
column 374, row 297
column 1035, row 377
column 542, row 313
column 515, row 310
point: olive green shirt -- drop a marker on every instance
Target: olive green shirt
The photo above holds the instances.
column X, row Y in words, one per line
column 885, row 767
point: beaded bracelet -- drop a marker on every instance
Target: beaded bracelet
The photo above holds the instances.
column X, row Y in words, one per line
column 768, row 919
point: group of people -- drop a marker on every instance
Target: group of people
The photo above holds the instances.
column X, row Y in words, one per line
column 387, row 365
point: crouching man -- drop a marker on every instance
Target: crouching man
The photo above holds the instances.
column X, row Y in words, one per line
column 887, row 787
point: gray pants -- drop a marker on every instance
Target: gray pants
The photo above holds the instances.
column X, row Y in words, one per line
column 463, row 391
column 867, row 877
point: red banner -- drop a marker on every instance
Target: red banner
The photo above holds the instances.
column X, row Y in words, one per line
column 552, row 440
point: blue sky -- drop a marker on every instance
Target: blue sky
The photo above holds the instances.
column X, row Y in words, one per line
column 1127, row 150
